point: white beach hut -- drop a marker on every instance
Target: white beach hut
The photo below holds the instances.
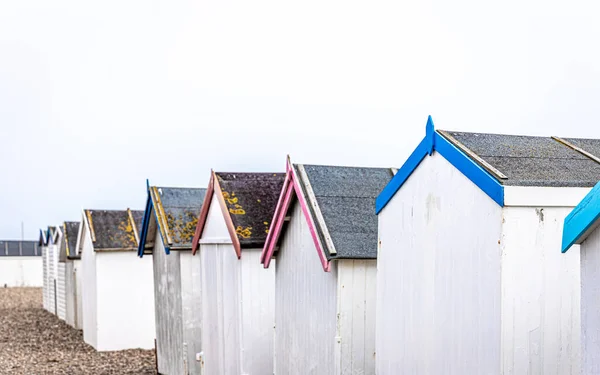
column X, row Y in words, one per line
column 50, row 268
column 324, row 238
column 237, row 294
column 470, row 275
column 118, row 293
column 73, row 307
column 168, row 229
column 582, row 227
column 20, row 264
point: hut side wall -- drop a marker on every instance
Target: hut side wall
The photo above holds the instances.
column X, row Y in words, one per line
column 438, row 281
column 45, row 285
column 21, row 271
column 357, row 291
column 169, row 326
column 590, row 303
column 305, row 304
column 541, row 294
column 61, row 291
column 257, row 313
column 77, row 267
column 221, row 310
column 125, row 309
column 70, row 290
column 89, row 291
column 52, row 278
column 191, row 301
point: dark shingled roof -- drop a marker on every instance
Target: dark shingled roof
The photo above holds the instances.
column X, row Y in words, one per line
column 20, row 248
column 113, row 230
column 181, row 207
column 346, row 199
column 71, row 229
column 534, row 161
column 251, row 199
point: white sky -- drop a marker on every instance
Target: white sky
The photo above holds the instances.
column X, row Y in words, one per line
column 95, row 97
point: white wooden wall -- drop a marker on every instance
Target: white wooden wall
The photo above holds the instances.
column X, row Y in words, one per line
column 221, row 308
column 438, row 282
column 541, row 294
column 168, row 310
column 77, row 267
column 21, row 271
column 125, row 307
column 191, row 301
column 357, row 280
column 89, row 290
column 52, row 278
column 61, row 291
column 590, row 303
column 305, row 305
column 70, row 294
column 237, row 305
column 45, row 285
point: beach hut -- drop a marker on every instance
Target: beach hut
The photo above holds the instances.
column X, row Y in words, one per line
column 582, row 228
column 42, row 246
column 238, row 295
column 470, row 276
column 118, row 292
column 20, row 264
column 168, row 229
column 73, row 308
column 50, row 272
column 324, row 239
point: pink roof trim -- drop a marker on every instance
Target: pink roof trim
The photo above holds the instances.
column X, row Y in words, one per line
column 290, row 186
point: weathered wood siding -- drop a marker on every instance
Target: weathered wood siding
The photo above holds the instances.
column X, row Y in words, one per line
column 237, row 305
column 590, row 303
column 541, row 294
column 357, row 280
column 61, row 291
column 52, row 278
column 178, row 308
column 125, row 309
column 438, row 281
column 305, row 305
column 167, row 289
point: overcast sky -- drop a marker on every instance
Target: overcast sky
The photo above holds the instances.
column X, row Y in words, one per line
column 95, row 97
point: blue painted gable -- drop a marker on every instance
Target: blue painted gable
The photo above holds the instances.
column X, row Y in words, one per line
column 583, row 218
column 433, row 141
column 146, row 224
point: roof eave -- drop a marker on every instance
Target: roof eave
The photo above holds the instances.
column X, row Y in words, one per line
column 582, row 220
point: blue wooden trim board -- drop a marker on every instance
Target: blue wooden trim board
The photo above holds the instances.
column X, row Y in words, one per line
column 467, row 166
column 145, row 225
column 582, row 220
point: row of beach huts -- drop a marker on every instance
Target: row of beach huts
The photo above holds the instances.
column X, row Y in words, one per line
column 454, row 263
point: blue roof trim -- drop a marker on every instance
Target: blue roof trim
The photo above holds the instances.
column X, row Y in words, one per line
column 435, row 142
column 145, row 225
column 470, row 169
column 581, row 219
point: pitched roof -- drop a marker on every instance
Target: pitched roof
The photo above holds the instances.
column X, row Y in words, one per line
column 176, row 211
column 583, row 220
column 70, row 232
column 533, row 161
column 19, row 248
column 114, row 229
column 492, row 161
column 247, row 201
column 340, row 202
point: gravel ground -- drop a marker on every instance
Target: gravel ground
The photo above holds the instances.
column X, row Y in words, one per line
column 33, row 341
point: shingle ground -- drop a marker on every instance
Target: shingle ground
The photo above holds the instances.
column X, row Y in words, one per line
column 33, row 341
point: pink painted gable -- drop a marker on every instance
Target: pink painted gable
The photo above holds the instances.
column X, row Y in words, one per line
column 291, row 186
